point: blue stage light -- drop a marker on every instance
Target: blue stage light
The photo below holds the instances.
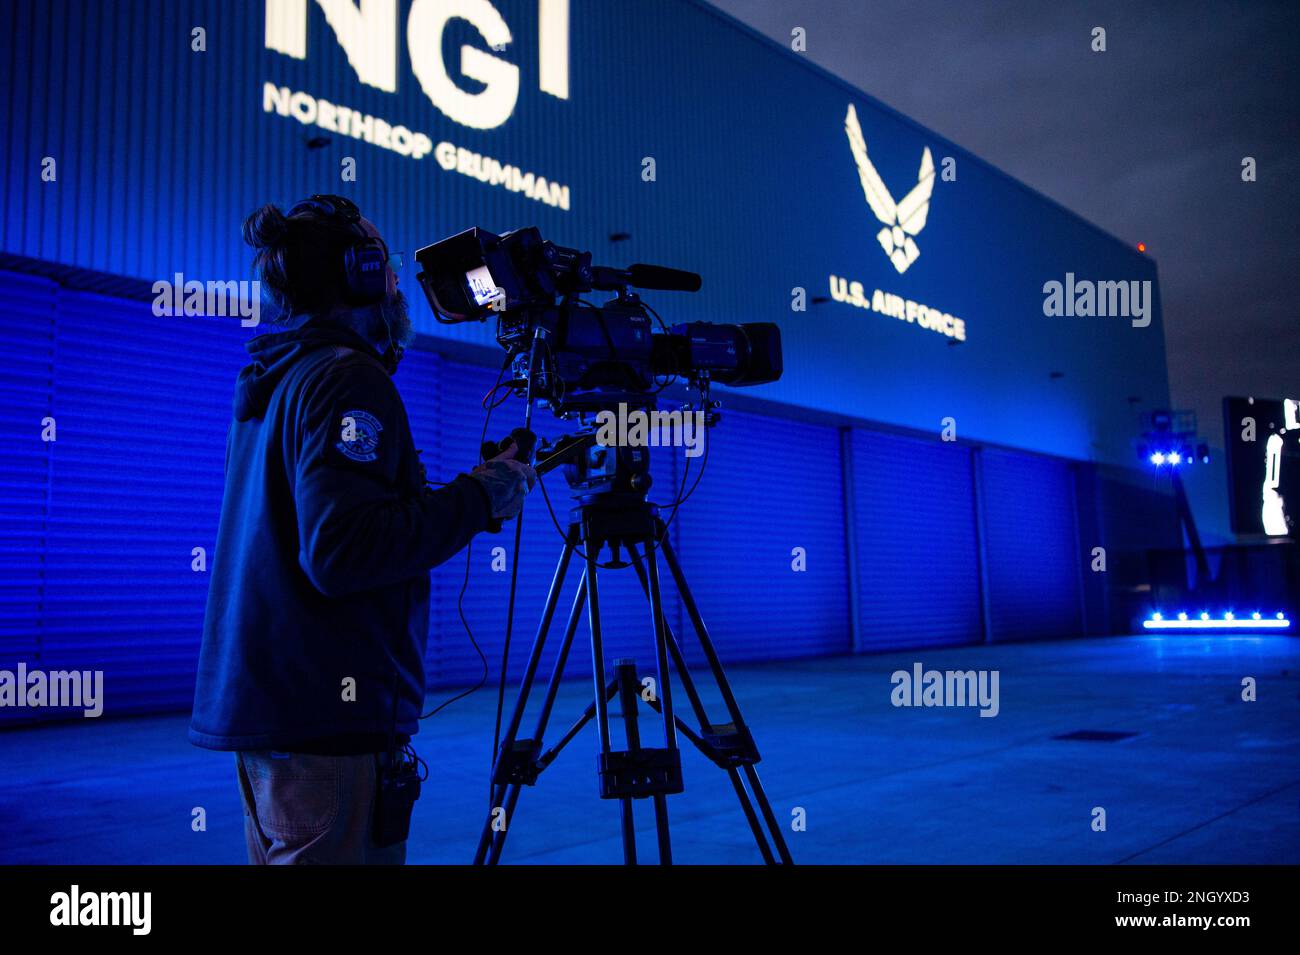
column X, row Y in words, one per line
column 1228, row 621
column 1157, row 459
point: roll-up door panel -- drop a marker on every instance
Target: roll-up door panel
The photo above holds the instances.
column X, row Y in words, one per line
column 142, row 406
column 1033, row 568
column 917, row 546
column 27, row 349
column 770, row 500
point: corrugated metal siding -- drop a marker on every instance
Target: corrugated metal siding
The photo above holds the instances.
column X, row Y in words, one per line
column 770, row 485
column 131, row 485
column 162, row 153
column 917, row 550
column 27, row 351
column 1032, row 551
column 160, row 157
column 136, row 486
column 1088, row 511
column 98, row 526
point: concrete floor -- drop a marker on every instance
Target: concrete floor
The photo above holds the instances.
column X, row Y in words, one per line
column 1207, row 779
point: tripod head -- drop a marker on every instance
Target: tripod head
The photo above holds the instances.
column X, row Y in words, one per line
column 594, row 470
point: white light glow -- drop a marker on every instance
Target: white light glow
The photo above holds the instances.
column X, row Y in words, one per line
column 902, row 219
column 553, row 47
column 1206, row 622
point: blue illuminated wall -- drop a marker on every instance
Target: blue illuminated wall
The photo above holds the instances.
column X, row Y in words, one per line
column 161, row 151
column 906, row 539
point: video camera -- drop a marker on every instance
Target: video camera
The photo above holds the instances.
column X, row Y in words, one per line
column 592, row 357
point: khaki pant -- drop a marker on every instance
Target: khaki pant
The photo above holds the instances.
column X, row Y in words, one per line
column 304, row 809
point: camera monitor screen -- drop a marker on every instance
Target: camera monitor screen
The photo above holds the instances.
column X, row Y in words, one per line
column 1263, row 444
column 481, row 285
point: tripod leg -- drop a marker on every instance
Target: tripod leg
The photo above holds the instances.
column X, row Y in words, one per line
column 562, row 658
column 747, row 807
column 661, row 828
column 597, row 647
column 697, row 704
column 498, row 790
column 598, row 680
column 674, row 648
column 629, row 699
column 665, row 694
column 706, row 644
column 535, row 657
column 498, row 838
column 724, row 687
column 765, row 807
column 629, row 830
column 625, row 680
column 661, row 644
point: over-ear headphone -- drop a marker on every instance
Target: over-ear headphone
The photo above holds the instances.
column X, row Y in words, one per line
column 365, row 281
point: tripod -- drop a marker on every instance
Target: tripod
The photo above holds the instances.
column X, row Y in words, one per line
column 623, row 519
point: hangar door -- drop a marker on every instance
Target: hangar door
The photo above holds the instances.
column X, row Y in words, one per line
column 762, row 540
column 916, row 542
column 1032, row 550
column 102, row 523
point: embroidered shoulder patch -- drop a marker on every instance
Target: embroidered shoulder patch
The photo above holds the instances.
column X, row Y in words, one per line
column 359, row 433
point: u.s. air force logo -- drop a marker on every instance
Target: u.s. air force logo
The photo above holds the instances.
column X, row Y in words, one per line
column 359, row 439
column 902, row 219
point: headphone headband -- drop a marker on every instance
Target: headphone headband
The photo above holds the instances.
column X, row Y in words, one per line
column 364, row 277
column 336, row 207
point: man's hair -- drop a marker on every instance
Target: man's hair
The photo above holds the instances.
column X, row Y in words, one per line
column 299, row 260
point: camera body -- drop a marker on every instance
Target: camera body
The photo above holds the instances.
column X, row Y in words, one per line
column 592, row 357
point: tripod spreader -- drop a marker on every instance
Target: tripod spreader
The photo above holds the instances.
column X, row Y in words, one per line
column 635, row 773
column 725, row 746
column 517, row 763
column 638, row 771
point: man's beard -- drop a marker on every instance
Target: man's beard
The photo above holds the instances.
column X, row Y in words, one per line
column 400, row 331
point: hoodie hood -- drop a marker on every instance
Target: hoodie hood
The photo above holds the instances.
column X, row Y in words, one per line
column 273, row 355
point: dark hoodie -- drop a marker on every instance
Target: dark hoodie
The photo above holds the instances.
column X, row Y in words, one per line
column 318, row 603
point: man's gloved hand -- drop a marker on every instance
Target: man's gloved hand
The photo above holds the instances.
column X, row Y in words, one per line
column 506, row 481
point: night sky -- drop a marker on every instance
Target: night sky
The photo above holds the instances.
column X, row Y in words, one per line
column 1145, row 140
